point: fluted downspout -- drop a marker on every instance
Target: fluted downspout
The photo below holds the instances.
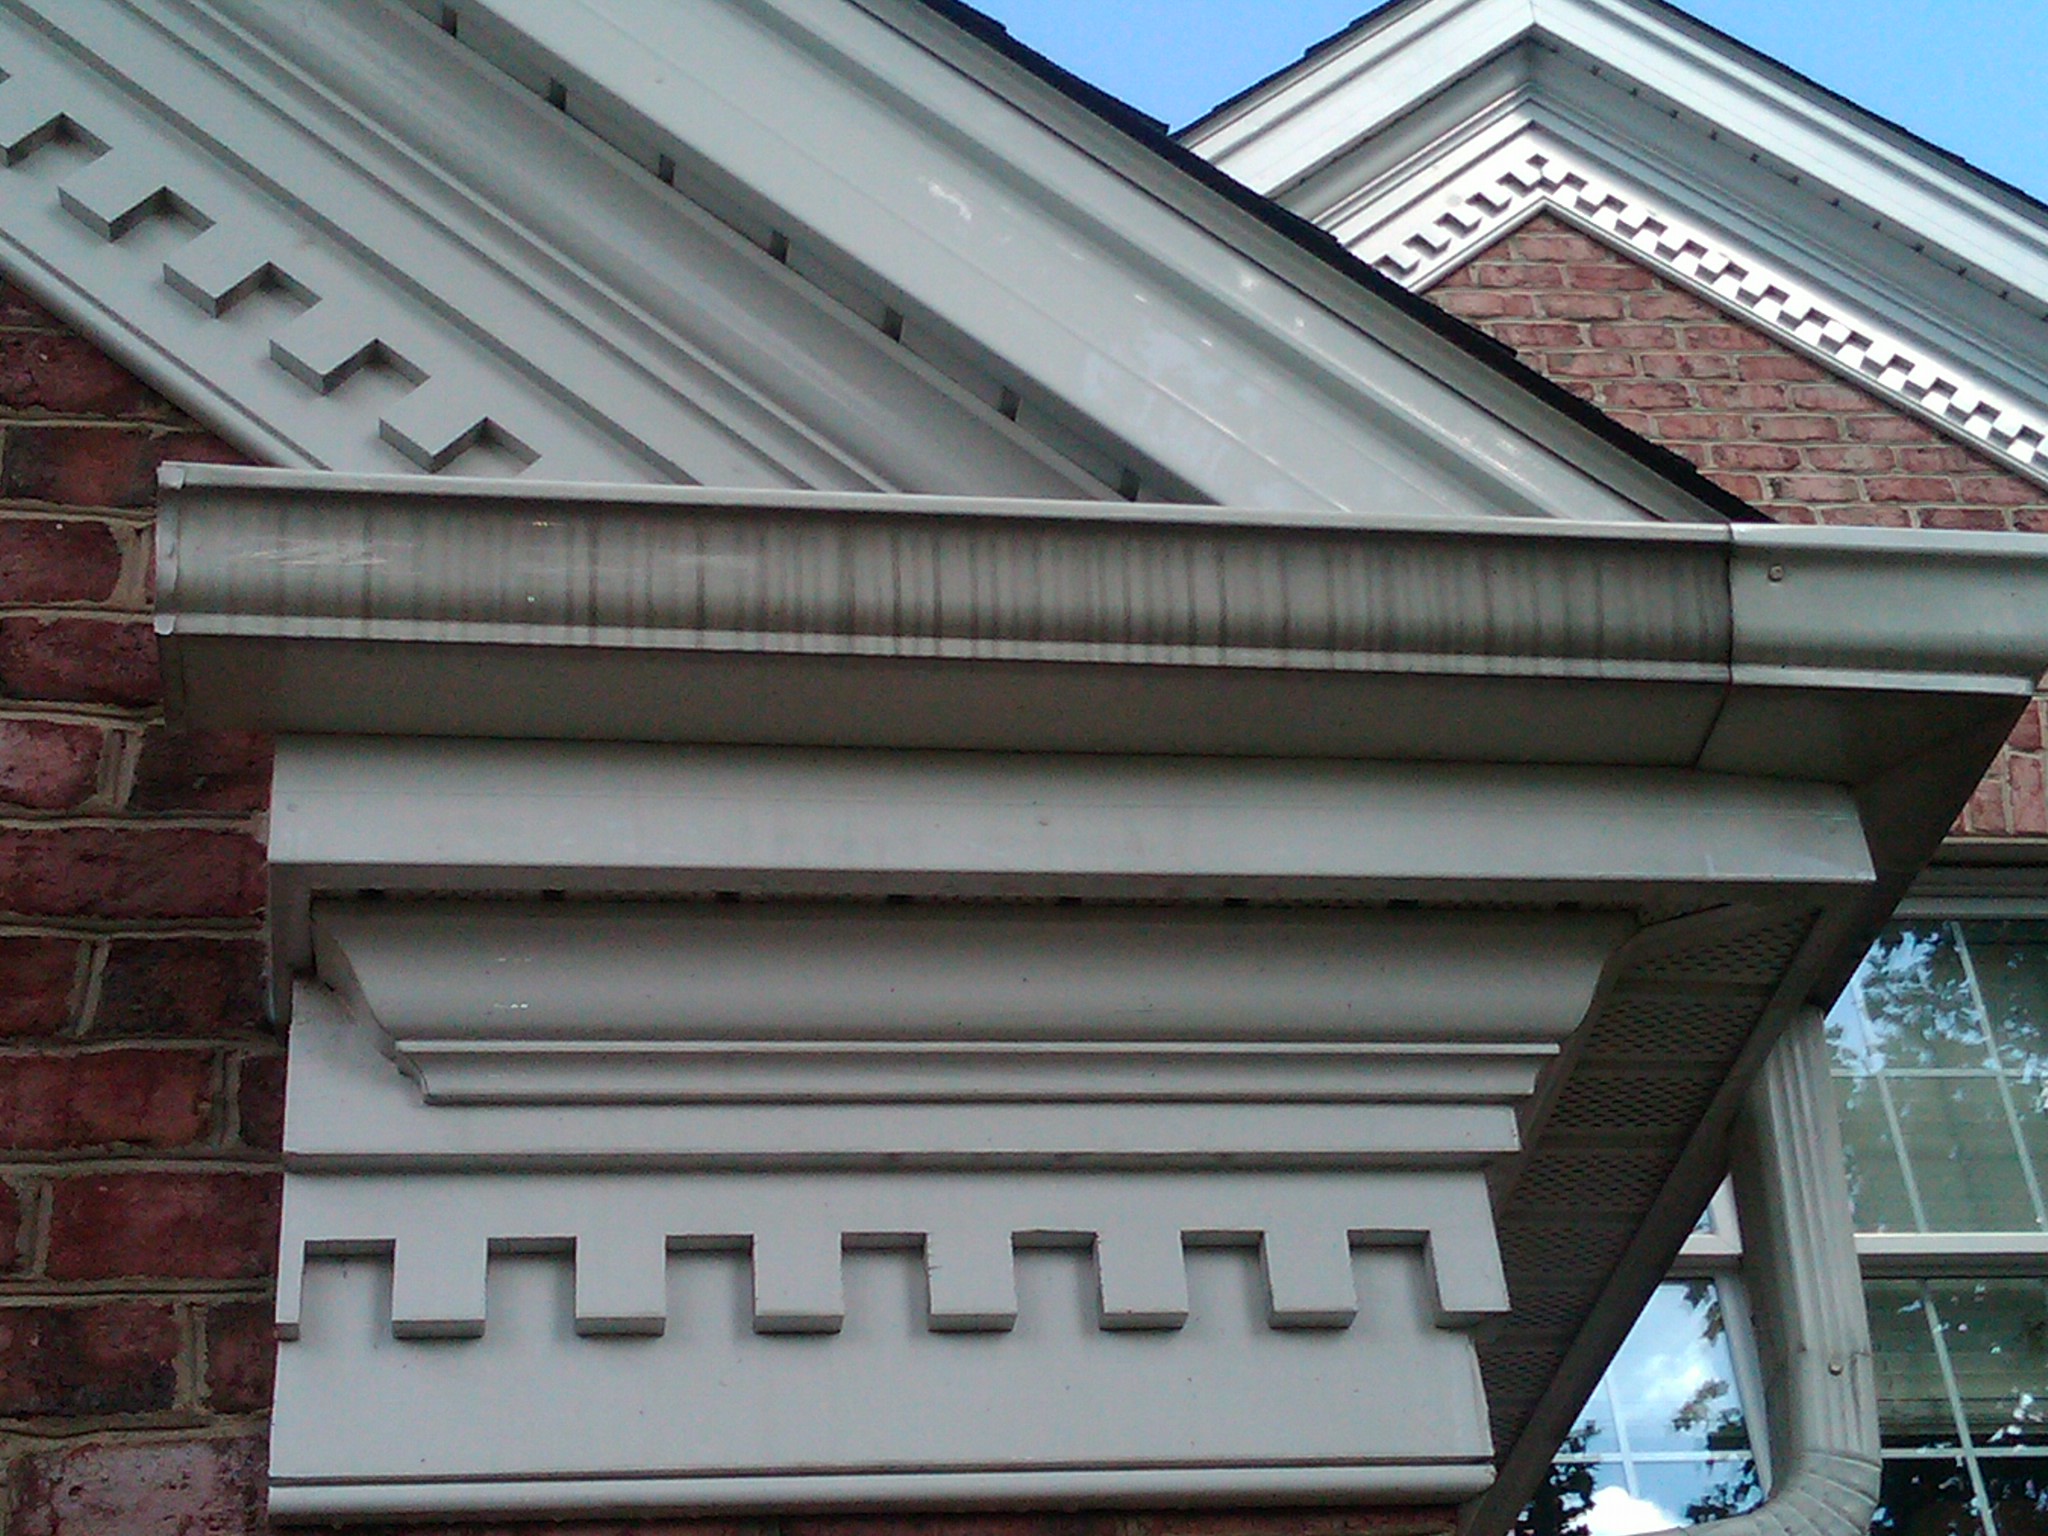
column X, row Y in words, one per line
column 1807, row 1296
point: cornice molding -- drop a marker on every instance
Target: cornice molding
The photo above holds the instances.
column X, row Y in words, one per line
column 1417, row 240
column 771, row 1234
column 1431, row 129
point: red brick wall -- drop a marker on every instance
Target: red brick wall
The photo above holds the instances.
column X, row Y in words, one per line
column 139, row 1084
column 1769, row 425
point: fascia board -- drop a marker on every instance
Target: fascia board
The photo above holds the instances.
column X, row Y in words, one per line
column 399, row 815
column 1060, row 246
column 1329, row 102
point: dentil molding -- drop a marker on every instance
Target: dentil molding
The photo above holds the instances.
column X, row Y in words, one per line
column 1432, row 225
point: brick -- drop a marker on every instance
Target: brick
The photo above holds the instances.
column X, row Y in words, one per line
column 2000, row 491
column 1864, row 516
column 1964, row 519
column 1555, row 244
column 1474, row 304
column 1721, row 338
column 89, row 1361
column 1609, row 275
column 1638, row 395
column 20, row 312
column 241, row 1357
column 99, row 466
column 2027, row 793
column 104, row 872
column 1744, row 397
column 1670, row 304
column 2031, row 521
column 1519, row 275
column 1634, row 338
column 1907, row 488
column 1884, row 429
column 260, row 1103
column 68, row 375
column 1580, row 306
column 47, row 765
column 141, row 1488
column 13, row 1214
column 37, row 978
column 1589, row 365
column 1854, row 458
column 79, row 661
column 1815, row 488
column 1686, row 365
column 1698, row 427
column 51, row 560
column 164, row 1226
column 1797, row 429
column 1784, row 366
column 1756, row 456
column 1834, row 397
column 1985, row 815
column 122, row 1098
column 1941, row 459
column 1540, row 334
column 216, row 772
column 2027, row 735
column 181, row 989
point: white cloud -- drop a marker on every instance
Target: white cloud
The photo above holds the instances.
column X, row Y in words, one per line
column 1617, row 1512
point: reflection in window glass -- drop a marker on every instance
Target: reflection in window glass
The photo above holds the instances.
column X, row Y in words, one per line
column 1925, row 1498
column 1962, row 1365
column 1941, row 1062
column 1663, row 1440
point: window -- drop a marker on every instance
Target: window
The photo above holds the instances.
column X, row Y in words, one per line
column 1667, row 1437
column 1941, row 1072
column 1940, row 1051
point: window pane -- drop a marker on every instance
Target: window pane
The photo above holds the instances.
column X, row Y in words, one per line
column 1565, row 1506
column 1594, row 1433
column 2012, row 969
column 1687, row 1492
column 2018, row 1490
column 1673, row 1384
column 1914, row 1005
column 1997, row 1337
column 1965, row 1160
column 1877, row 1185
column 1663, row 1440
column 1925, row 1498
column 1913, row 1406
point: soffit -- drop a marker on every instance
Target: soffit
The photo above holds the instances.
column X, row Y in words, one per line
column 1422, row 136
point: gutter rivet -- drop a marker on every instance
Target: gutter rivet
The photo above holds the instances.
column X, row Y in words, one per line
column 1776, row 573
column 1834, row 1367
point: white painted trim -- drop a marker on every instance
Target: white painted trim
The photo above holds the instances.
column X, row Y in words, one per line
column 1904, row 271
column 1050, row 240
column 1382, row 72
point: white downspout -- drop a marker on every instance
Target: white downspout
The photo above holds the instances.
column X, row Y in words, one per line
column 1807, row 1297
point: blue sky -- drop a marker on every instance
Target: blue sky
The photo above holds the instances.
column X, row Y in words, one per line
column 1972, row 75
